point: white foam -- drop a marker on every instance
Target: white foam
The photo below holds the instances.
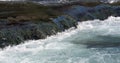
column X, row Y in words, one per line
column 66, row 1
column 67, row 47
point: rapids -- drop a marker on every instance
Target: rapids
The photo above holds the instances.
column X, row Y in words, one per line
column 93, row 41
column 66, row 1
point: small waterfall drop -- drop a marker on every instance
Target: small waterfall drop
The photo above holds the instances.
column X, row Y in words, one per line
column 93, row 41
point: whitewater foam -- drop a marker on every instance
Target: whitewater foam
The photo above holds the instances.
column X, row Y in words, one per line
column 93, row 41
column 66, row 1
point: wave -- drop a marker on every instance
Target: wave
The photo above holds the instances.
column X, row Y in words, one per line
column 71, row 46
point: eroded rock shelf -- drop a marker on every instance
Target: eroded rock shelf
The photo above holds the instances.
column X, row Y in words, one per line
column 28, row 21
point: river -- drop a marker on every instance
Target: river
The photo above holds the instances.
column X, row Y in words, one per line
column 93, row 41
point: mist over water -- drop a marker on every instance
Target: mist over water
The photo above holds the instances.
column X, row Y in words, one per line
column 92, row 42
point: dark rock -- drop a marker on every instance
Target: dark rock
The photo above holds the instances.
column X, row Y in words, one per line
column 15, row 30
column 101, row 12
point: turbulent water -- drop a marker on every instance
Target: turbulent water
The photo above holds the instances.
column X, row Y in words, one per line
column 92, row 42
column 61, row 1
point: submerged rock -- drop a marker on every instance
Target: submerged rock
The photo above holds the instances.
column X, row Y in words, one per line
column 82, row 13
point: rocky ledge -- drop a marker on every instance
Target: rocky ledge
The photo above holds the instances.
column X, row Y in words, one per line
column 28, row 21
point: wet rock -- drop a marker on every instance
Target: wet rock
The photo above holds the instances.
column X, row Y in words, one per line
column 102, row 12
column 16, row 29
column 16, row 34
column 65, row 22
